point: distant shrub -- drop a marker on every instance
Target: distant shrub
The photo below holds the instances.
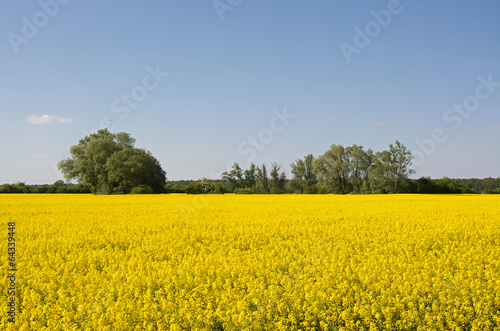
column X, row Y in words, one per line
column 41, row 189
column 276, row 190
column 7, row 188
column 61, row 189
column 142, row 189
column 311, row 190
column 243, row 191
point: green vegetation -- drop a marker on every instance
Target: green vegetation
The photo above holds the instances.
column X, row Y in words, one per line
column 57, row 187
column 107, row 163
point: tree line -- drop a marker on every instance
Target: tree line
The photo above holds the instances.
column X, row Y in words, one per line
column 424, row 185
column 340, row 170
column 108, row 163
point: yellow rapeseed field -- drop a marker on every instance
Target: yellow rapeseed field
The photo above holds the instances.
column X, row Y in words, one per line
column 233, row 262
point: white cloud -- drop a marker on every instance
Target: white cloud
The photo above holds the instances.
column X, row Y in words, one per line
column 41, row 156
column 496, row 126
column 47, row 119
column 381, row 124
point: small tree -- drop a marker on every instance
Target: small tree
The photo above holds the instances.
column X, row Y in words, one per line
column 278, row 179
column 304, row 175
column 262, row 185
column 250, row 178
column 234, row 178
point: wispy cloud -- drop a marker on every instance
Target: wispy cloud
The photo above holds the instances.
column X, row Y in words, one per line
column 41, row 156
column 381, row 124
column 496, row 126
column 47, row 119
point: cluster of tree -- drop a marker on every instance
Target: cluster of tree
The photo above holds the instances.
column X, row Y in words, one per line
column 109, row 163
column 355, row 170
column 183, row 186
column 424, row 185
column 339, row 170
column 255, row 179
column 485, row 186
column 57, row 187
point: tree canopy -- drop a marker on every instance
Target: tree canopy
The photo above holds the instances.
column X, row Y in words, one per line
column 110, row 164
column 107, row 163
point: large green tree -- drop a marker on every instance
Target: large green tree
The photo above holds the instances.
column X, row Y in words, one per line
column 333, row 169
column 344, row 169
column 110, row 164
column 391, row 169
column 360, row 162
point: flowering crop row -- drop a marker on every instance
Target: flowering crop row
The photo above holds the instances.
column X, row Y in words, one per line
column 234, row 262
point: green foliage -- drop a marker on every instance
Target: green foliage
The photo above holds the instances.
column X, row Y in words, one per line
column 262, row 181
column 234, row 178
column 57, row 187
column 254, row 179
column 277, row 190
column 353, row 170
column 440, row 186
column 205, row 186
column 311, row 190
column 304, row 175
column 487, row 185
column 142, row 189
column 250, row 176
column 243, row 191
column 278, row 179
column 173, row 189
column 8, row 188
column 109, row 164
column 61, row 189
column 343, row 170
column 391, row 169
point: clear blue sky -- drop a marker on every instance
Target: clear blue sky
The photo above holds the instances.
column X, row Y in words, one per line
column 65, row 69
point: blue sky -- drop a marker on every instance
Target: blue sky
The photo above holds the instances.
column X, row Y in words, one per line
column 192, row 81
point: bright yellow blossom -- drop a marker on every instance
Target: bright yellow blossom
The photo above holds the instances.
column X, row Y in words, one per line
column 234, row 262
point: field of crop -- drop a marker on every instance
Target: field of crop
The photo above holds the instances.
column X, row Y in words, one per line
column 233, row 262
